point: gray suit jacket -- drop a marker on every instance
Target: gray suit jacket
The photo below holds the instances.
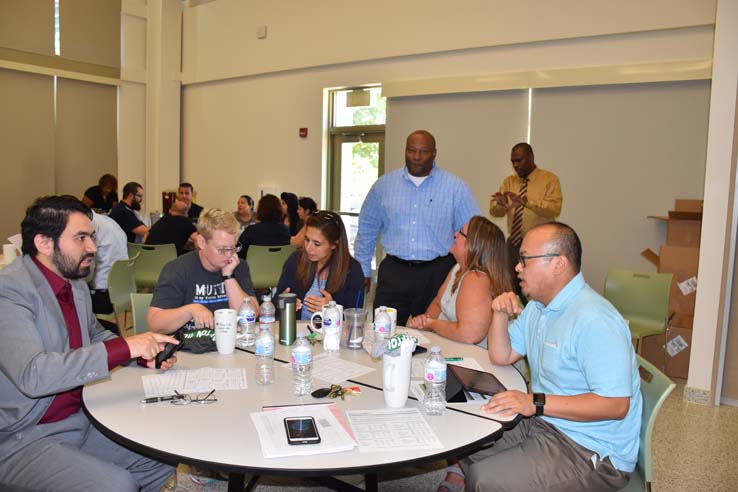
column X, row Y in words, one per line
column 35, row 360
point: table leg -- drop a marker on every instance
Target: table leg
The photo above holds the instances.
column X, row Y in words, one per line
column 236, row 480
column 370, row 482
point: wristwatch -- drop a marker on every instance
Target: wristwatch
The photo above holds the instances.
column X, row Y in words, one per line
column 539, row 400
column 226, row 277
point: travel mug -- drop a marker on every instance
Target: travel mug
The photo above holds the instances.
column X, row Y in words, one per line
column 286, row 303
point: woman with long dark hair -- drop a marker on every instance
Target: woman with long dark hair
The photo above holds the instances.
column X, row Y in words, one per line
column 289, row 209
column 461, row 310
column 323, row 270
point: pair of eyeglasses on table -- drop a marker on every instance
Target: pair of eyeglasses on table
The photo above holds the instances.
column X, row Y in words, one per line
column 202, row 398
column 179, row 399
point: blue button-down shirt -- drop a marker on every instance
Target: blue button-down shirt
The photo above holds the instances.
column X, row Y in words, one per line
column 416, row 222
column 578, row 344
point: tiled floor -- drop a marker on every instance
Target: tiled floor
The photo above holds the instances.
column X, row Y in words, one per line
column 694, row 447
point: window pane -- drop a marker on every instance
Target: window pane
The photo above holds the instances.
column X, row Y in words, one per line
column 359, row 171
column 346, row 112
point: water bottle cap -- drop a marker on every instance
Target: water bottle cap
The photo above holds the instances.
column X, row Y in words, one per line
column 332, row 304
column 436, row 350
column 266, row 298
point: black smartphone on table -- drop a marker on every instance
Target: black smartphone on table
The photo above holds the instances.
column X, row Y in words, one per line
column 301, row 430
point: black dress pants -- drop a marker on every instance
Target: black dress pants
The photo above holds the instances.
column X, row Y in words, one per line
column 409, row 286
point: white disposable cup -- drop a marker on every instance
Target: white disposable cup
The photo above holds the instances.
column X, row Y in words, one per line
column 396, row 373
column 225, row 330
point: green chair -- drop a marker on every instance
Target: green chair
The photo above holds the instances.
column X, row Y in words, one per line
column 265, row 264
column 642, row 299
column 121, row 283
column 152, row 260
column 655, row 388
column 140, row 306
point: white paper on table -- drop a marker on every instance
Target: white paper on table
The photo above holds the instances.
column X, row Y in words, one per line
column 412, row 333
column 392, row 429
column 194, row 381
column 335, row 370
column 273, row 437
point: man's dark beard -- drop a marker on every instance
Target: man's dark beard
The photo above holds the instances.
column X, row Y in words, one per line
column 68, row 267
column 136, row 205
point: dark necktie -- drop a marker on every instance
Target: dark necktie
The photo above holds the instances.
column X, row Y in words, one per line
column 516, row 232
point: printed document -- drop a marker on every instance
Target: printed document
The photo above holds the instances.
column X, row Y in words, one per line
column 189, row 381
column 334, row 437
column 334, row 370
column 401, row 429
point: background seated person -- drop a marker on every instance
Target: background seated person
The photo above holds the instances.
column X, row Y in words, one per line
column 196, row 284
column 104, row 196
column 289, row 211
column 174, row 227
column 306, row 206
column 245, row 214
column 268, row 230
column 323, row 270
column 461, row 310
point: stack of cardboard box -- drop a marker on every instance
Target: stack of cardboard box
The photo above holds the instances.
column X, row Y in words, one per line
column 680, row 257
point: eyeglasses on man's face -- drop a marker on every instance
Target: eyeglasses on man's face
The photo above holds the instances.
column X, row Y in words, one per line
column 524, row 258
column 202, row 398
column 229, row 251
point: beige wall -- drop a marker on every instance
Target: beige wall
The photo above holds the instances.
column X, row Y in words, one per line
column 220, row 37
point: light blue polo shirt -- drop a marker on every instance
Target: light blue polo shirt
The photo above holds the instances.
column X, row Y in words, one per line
column 578, row 344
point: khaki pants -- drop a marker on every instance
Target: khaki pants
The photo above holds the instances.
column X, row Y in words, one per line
column 535, row 456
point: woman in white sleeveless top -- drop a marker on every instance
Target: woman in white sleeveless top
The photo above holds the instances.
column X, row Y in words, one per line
column 461, row 310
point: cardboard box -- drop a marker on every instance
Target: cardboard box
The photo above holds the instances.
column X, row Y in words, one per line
column 653, row 348
column 684, row 223
column 682, row 262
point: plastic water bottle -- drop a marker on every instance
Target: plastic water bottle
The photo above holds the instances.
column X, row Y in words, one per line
column 302, row 366
column 435, row 383
column 247, row 323
column 267, row 310
column 382, row 324
column 265, row 355
column 331, row 328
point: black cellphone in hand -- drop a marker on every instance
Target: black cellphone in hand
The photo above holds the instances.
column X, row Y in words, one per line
column 301, row 430
column 168, row 351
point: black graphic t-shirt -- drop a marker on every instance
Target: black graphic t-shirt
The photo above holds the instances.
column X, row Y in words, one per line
column 185, row 281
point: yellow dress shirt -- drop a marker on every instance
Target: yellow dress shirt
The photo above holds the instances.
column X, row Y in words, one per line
column 543, row 194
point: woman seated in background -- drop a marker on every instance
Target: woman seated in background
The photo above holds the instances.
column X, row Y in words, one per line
column 104, row 196
column 245, row 211
column 306, row 206
column 289, row 210
column 461, row 310
column 268, row 230
column 323, row 270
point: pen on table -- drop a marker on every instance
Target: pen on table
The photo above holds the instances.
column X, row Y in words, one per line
column 453, row 359
column 157, row 399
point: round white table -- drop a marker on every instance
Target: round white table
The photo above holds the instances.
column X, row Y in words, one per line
column 222, row 436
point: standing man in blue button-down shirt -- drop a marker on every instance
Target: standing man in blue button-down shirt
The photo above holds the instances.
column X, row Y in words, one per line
column 416, row 209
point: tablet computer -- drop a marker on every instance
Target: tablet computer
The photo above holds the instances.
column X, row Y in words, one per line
column 473, row 380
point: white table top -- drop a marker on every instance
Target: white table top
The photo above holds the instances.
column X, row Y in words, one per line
column 222, row 436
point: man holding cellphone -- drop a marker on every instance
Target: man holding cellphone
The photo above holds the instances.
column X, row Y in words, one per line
column 582, row 425
column 192, row 287
column 52, row 346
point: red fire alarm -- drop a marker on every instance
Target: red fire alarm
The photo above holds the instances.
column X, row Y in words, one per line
column 303, row 132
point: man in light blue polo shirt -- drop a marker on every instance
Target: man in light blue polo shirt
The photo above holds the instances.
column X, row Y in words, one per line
column 416, row 209
column 584, row 416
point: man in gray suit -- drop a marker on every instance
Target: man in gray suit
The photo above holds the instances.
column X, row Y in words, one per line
column 51, row 346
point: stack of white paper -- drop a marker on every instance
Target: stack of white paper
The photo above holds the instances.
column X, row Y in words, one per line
column 273, row 436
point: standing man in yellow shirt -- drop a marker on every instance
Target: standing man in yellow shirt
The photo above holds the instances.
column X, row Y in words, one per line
column 530, row 197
